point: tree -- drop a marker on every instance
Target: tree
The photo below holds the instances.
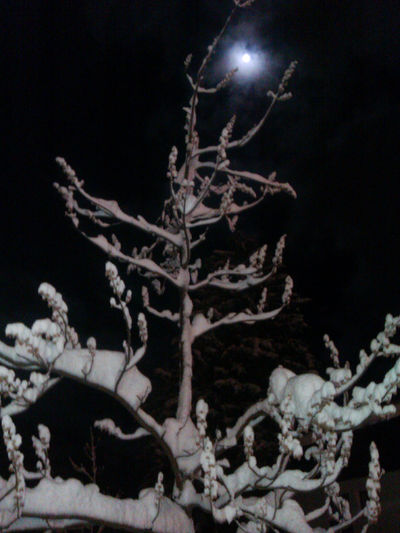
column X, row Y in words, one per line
column 228, row 360
column 316, row 417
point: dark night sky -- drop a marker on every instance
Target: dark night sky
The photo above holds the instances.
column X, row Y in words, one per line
column 101, row 83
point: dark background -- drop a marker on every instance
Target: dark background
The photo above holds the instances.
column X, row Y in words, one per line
column 101, row 83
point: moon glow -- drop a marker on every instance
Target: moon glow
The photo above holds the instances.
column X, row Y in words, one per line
column 248, row 62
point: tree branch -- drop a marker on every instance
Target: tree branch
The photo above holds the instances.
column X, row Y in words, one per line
column 147, row 264
column 234, row 318
column 112, row 208
column 56, row 499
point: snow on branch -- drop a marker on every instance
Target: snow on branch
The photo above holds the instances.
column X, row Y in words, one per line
column 253, row 415
column 13, row 441
column 109, row 426
column 143, row 264
column 279, row 95
column 41, row 446
column 166, row 313
column 244, row 276
column 54, row 499
column 24, row 393
column 110, row 208
column 381, row 346
column 201, row 325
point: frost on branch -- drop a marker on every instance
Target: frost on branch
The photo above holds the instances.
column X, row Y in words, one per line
column 201, row 414
column 41, row 446
column 13, row 441
column 373, row 507
column 316, row 417
column 248, row 438
column 208, row 464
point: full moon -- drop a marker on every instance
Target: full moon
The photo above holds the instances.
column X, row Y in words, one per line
column 250, row 61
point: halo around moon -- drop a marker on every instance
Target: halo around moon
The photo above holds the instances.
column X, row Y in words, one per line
column 249, row 63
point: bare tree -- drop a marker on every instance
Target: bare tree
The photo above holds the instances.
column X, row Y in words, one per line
column 204, row 190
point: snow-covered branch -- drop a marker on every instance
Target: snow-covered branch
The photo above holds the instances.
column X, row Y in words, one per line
column 253, row 415
column 145, row 264
column 54, row 499
column 106, row 207
column 280, row 95
column 109, row 426
column 201, row 325
column 105, row 368
column 165, row 313
column 243, row 276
